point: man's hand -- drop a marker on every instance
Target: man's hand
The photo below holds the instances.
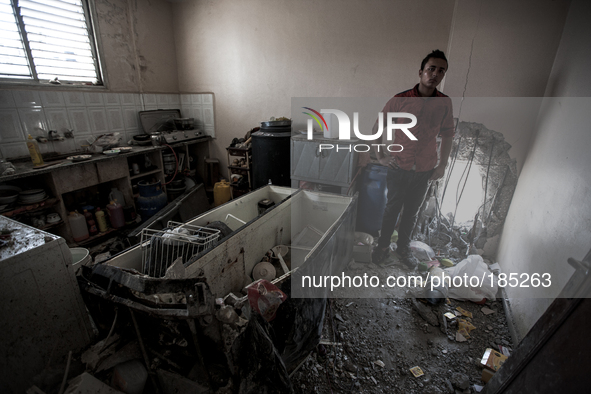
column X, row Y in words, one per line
column 437, row 173
column 385, row 160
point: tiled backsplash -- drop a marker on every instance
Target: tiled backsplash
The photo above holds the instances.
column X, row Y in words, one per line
column 88, row 114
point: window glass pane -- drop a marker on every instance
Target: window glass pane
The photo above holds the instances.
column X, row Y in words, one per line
column 13, row 58
column 58, row 41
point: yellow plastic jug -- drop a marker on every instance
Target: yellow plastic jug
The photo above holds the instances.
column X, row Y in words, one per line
column 221, row 193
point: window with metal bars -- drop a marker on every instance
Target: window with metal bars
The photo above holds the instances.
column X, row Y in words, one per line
column 47, row 40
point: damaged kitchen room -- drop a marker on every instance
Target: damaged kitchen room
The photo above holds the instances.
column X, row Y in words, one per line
column 333, row 196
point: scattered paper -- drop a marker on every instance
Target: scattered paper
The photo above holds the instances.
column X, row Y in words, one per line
column 506, row 351
column 464, row 333
column 417, row 371
column 464, row 312
column 449, row 315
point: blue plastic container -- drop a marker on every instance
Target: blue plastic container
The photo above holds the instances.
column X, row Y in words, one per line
column 152, row 199
column 372, row 199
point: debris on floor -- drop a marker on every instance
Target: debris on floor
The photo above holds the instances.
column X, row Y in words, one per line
column 402, row 335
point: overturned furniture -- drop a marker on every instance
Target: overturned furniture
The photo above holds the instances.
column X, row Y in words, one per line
column 193, row 309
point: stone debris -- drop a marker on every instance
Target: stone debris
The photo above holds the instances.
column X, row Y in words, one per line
column 379, row 363
column 425, row 312
column 487, row 311
column 381, row 344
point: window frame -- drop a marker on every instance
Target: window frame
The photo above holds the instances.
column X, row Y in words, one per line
column 92, row 26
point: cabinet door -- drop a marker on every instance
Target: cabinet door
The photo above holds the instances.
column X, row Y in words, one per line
column 305, row 160
column 336, row 167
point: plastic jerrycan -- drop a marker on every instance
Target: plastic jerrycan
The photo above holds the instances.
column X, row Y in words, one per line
column 117, row 195
column 116, row 214
column 78, row 226
column 221, row 192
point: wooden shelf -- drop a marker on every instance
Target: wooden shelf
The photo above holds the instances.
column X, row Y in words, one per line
column 239, row 168
column 247, row 154
column 151, row 172
column 51, row 225
column 238, row 151
column 95, row 237
column 32, row 208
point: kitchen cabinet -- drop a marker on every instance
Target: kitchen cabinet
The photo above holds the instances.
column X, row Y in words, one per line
column 68, row 183
column 326, row 166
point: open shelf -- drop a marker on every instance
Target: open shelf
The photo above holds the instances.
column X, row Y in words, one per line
column 151, row 172
column 246, row 153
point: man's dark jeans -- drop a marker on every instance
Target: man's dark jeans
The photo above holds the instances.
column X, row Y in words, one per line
column 405, row 189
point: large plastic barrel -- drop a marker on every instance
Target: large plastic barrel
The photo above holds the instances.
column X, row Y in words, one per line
column 372, row 199
column 271, row 157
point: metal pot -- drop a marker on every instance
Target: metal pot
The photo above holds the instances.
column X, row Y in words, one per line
column 156, row 139
column 276, row 123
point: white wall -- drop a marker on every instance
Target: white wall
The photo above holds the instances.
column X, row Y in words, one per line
column 550, row 216
column 503, row 49
column 254, row 56
column 137, row 45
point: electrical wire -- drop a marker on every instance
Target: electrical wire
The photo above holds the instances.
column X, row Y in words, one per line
column 467, row 172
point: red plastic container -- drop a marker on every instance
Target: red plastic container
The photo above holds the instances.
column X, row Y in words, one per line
column 116, row 214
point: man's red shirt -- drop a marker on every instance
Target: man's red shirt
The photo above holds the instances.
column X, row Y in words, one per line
column 434, row 117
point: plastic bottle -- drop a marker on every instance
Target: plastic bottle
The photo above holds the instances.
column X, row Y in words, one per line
column 116, row 214
column 34, row 151
column 87, row 215
column 92, row 230
column 78, row 226
column 117, row 195
column 101, row 220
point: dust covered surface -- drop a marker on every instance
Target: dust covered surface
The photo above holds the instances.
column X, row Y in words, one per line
column 378, row 341
column 22, row 238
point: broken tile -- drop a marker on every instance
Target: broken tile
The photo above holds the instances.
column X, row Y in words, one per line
column 487, row 311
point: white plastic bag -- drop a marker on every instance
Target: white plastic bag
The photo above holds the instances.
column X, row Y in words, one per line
column 422, row 251
column 473, row 271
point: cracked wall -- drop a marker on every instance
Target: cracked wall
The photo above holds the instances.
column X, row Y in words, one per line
column 137, row 45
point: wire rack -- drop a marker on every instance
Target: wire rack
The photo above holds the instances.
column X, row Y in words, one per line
column 161, row 248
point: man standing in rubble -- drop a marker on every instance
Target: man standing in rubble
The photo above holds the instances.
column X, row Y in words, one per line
column 410, row 170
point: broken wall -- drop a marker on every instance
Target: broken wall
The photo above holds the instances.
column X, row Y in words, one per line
column 487, row 152
column 550, row 217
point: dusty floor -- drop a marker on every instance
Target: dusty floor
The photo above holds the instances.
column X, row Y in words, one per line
column 374, row 342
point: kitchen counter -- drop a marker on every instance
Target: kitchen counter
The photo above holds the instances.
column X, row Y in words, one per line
column 25, row 168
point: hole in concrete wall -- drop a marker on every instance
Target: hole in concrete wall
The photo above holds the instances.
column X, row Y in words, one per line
column 465, row 192
column 472, row 199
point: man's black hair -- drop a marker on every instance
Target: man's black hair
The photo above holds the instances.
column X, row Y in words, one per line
column 437, row 54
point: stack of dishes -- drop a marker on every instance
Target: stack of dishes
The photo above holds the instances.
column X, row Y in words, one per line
column 32, row 196
column 8, row 194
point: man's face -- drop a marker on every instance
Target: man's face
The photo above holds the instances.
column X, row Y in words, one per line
column 433, row 73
